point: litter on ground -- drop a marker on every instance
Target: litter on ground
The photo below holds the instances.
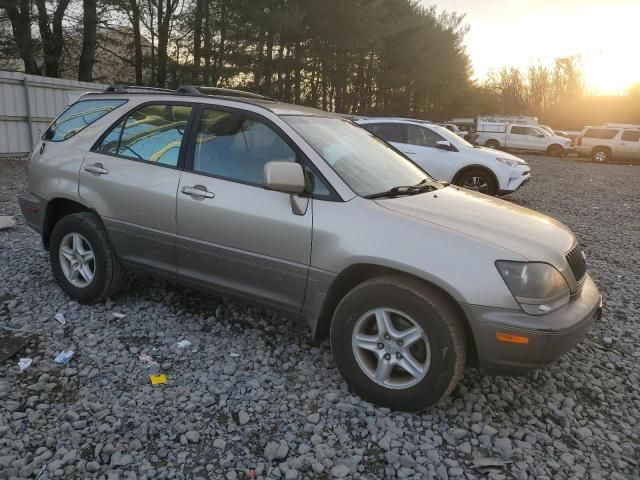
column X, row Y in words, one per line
column 24, row 363
column 60, row 318
column 158, row 379
column 184, row 344
column 63, row 357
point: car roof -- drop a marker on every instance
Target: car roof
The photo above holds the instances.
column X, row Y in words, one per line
column 228, row 95
column 394, row 120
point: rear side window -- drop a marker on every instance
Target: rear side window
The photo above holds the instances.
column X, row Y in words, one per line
column 78, row 117
column 631, row 136
column 601, row 133
column 389, row 132
column 152, row 133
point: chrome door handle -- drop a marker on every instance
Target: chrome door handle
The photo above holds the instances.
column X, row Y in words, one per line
column 96, row 169
column 198, row 192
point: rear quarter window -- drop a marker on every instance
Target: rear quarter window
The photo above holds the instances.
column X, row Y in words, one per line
column 601, row 133
column 78, row 117
column 631, row 136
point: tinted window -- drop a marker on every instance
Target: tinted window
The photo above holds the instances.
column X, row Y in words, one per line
column 233, row 146
column 602, row 133
column 389, row 132
column 78, row 117
column 152, row 133
column 631, row 136
column 422, row 136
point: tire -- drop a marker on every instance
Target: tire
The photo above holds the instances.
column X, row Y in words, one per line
column 601, row 155
column 479, row 180
column 428, row 309
column 492, row 144
column 555, row 151
column 108, row 274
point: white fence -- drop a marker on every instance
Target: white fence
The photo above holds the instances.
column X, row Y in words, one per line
column 28, row 104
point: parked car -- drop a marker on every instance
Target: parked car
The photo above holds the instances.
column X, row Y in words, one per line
column 522, row 137
column 305, row 211
column 447, row 157
column 603, row 144
column 452, row 127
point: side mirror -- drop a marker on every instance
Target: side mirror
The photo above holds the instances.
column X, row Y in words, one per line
column 286, row 177
column 443, row 144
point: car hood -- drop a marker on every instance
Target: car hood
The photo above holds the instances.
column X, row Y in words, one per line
column 520, row 230
column 492, row 154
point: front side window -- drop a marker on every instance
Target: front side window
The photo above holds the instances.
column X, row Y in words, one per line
column 152, row 133
column 631, row 136
column 236, row 147
column 423, row 136
column 78, row 117
column 389, row 132
column 365, row 162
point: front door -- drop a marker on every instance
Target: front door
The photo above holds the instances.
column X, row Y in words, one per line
column 422, row 148
column 131, row 179
column 233, row 235
column 629, row 145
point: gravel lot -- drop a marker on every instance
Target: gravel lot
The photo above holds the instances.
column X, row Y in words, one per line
column 252, row 391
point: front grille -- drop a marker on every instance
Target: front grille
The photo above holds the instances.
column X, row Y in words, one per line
column 577, row 263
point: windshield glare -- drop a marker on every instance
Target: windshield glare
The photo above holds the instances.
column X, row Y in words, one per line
column 366, row 163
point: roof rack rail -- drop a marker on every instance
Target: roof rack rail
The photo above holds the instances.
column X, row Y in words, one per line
column 128, row 88
column 227, row 92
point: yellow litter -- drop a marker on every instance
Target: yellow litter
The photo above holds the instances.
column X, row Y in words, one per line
column 158, row 379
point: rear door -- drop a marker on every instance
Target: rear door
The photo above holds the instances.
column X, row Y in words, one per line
column 629, row 145
column 233, row 235
column 131, row 178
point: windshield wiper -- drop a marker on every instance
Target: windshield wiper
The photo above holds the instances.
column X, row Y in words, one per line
column 421, row 187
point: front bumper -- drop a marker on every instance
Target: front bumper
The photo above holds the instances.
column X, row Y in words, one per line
column 548, row 336
column 517, row 179
column 33, row 209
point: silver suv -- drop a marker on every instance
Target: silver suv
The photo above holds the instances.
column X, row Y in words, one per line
column 305, row 211
column 603, row 144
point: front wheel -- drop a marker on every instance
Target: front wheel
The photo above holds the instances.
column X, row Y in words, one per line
column 492, row 144
column 478, row 180
column 82, row 259
column 398, row 343
column 555, row 151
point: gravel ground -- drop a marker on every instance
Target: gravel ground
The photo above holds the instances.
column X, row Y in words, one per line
column 252, row 391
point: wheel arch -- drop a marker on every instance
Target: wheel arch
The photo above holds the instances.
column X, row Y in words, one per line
column 555, row 145
column 475, row 166
column 358, row 273
column 601, row 147
column 58, row 208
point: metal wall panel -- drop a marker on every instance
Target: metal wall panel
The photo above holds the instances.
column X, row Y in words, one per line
column 28, row 103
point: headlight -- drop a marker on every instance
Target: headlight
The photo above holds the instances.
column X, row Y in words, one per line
column 508, row 161
column 538, row 287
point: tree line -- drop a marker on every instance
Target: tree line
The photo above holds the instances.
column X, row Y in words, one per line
column 392, row 57
column 353, row 56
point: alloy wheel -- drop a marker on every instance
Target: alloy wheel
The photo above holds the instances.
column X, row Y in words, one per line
column 77, row 260
column 477, row 184
column 391, row 348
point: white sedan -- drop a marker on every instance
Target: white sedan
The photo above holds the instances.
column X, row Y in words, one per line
column 450, row 158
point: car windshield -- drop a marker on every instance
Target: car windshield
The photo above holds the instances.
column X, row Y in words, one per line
column 367, row 164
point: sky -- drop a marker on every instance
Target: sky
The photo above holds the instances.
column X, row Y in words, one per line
column 605, row 33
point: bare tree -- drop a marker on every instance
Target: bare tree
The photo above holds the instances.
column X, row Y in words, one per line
column 89, row 30
column 19, row 13
column 52, row 35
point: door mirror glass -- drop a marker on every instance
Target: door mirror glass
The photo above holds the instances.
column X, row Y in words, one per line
column 284, row 177
column 443, row 145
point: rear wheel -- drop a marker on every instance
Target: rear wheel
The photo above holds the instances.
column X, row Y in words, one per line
column 478, row 180
column 83, row 262
column 398, row 343
column 601, row 155
column 555, row 151
column 492, row 144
